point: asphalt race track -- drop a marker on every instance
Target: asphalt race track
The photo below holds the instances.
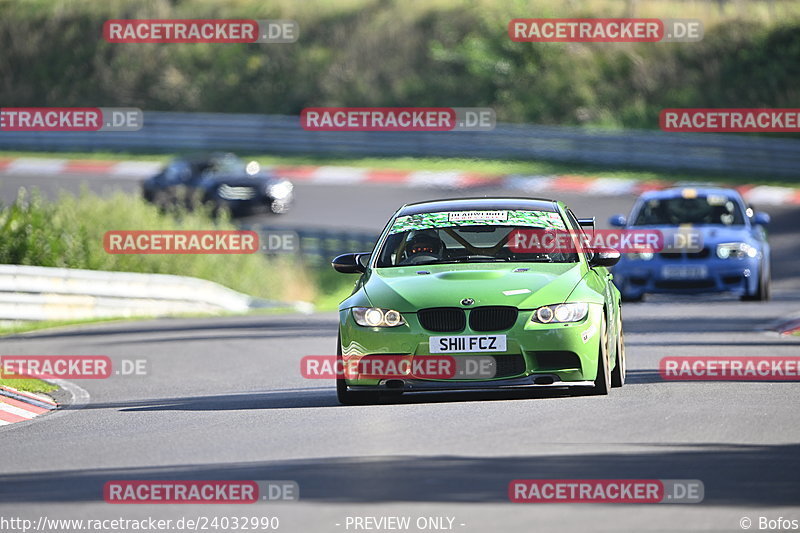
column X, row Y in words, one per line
column 225, row 400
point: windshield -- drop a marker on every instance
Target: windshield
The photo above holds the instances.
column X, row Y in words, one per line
column 710, row 209
column 466, row 237
column 229, row 165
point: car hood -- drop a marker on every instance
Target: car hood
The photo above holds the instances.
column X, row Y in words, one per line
column 403, row 289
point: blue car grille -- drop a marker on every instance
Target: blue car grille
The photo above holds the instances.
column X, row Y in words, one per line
column 685, row 284
column 702, row 254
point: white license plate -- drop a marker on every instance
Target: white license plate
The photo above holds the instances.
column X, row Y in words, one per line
column 467, row 344
column 684, row 272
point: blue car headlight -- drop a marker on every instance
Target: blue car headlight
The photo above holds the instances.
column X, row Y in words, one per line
column 644, row 256
column 280, row 190
column 377, row 317
column 737, row 250
column 561, row 313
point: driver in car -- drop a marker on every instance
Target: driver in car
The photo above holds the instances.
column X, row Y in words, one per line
column 689, row 211
column 423, row 245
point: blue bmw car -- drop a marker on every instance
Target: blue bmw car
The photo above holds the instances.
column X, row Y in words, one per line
column 733, row 255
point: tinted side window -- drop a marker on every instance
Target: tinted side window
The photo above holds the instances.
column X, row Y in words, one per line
column 177, row 172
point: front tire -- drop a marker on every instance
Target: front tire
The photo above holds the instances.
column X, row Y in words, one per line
column 348, row 397
column 764, row 289
column 602, row 382
column 621, row 368
column 278, row 208
column 627, row 296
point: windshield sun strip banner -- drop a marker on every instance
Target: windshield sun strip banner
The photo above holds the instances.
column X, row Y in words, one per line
column 447, row 219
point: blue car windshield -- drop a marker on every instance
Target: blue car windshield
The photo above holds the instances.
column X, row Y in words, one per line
column 708, row 209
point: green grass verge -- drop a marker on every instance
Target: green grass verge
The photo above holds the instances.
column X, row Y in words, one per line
column 28, row 385
column 332, row 288
column 25, row 327
column 91, row 156
column 479, row 166
column 68, row 233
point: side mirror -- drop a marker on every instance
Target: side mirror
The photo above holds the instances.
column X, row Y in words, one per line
column 352, row 263
column 760, row 218
column 618, row 221
column 586, row 222
column 604, row 258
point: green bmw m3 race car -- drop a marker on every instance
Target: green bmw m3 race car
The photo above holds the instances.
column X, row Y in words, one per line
column 445, row 284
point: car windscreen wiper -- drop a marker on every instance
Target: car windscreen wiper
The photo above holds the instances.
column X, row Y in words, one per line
column 537, row 260
column 478, row 259
column 467, row 259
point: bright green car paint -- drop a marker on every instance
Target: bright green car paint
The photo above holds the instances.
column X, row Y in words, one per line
column 407, row 290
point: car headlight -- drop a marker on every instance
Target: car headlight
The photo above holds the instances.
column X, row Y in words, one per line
column 555, row 314
column 280, row 190
column 644, row 256
column 376, row 317
column 738, row 250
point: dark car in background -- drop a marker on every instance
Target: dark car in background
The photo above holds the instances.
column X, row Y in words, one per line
column 220, row 181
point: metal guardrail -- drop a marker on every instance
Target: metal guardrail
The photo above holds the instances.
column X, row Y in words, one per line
column 170, row 132
column 316, row 247
column 35, row 293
